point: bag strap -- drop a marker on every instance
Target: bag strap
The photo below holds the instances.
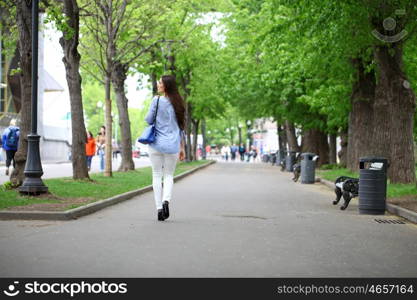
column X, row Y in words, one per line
column 156, row 112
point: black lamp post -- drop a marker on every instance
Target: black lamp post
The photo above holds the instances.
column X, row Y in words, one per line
column 33, row 183
column 249, row 133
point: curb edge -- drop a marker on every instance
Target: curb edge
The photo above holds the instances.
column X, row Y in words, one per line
column 84, row 210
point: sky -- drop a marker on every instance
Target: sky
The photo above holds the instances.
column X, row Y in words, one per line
column 53, row 65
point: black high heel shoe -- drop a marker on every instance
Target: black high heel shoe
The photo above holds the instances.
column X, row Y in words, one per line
column 165, row 208
column 161, row 215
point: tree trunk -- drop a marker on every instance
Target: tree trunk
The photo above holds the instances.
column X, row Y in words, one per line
column 154, row 84
column 291, row 137
column 171, row 60
column 315, row 141
column 195, row 137
column 24, row 20
column 360, row 116
column 323, row 149
column 108, row 148
column 332, row 149
column 71, row 61
column 188, row 148
column 249, row 135
column 343, row 151
column 154, row 79
column 188, row 116
column 393, row 116
column 240, row 134
column 203, row 132
column 119, row 76
column 282, row 137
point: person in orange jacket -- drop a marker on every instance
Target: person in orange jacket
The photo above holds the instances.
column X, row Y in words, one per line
column 90, row 148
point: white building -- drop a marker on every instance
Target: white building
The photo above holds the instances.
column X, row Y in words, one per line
column 265, row 137
column 54, row 119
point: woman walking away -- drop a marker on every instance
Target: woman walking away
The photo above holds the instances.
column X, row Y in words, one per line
column 90, row 149
column 101, row 144
column 169, row 114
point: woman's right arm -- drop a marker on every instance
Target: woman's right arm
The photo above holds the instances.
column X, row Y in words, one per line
column 151, row 113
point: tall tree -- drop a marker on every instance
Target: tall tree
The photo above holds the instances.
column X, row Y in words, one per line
column 69, row 24
column 23, row 20
column 120, row 46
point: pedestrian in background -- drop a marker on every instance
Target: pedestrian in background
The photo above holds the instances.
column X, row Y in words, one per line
column 254, row 153
column 168, row 113
column 10, row 141
column 101, row 144
column 233, row 151
column 1, row 149
column 208, row 150
column 90, row 149
column 225, row 152
column 115, row 149
column 242, row 151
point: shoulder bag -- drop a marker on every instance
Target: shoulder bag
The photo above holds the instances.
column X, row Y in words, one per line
column 148, row 135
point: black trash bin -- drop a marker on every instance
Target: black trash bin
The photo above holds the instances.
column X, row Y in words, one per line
column 372, row 185
column 290, row 161
column 308, row 167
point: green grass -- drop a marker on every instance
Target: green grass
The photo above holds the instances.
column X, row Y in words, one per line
column 334, row 173
column 393, row 190
column 100, row 188
column 397, row 190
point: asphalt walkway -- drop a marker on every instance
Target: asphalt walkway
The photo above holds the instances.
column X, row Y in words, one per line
column 228, row 220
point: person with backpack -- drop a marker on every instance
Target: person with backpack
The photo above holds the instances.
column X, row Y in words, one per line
column 10, row 141
column 1, row 150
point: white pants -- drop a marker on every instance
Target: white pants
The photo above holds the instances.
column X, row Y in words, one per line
column 162, row 165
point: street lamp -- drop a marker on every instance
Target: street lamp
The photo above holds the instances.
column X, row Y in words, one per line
column 33, row 183
column 240, row 133
column 249, row 133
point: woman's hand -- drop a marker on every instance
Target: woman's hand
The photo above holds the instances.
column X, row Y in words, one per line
column 182, row 154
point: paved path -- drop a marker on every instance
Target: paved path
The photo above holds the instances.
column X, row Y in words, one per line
column 54, row 170
column 230, row 219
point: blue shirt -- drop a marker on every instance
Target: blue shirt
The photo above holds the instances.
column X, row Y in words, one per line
column 4, row 138
column 168, row 134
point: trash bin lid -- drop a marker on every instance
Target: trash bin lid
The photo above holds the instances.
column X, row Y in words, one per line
column 373, row 163
column 374, row 159
column 308, row 154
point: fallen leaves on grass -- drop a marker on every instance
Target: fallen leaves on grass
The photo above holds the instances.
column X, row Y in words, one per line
column 58, row 204
column 408, row 202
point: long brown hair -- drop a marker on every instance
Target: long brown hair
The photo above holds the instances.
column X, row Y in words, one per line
column 174, row 96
